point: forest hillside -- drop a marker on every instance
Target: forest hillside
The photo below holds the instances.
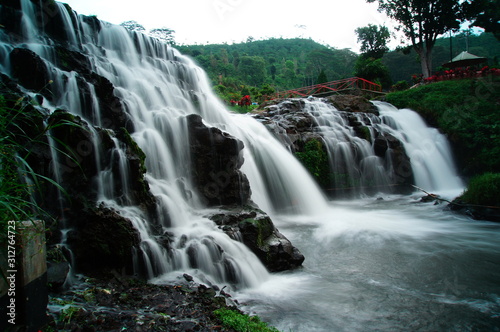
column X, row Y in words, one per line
column 260, row 67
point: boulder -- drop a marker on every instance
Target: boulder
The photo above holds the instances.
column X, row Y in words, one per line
column 351, row 103
column 216, row 159
column 102, row 240
column 30, row 70
column 256, row 230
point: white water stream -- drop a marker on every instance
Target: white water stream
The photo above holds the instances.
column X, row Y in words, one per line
column 385, row 265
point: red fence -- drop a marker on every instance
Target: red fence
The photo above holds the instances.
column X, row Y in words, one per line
column 329, row 87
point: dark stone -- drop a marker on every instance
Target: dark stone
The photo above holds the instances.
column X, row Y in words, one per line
column 287, row 121
column 188, row 277
column 30, row 70
column 15, row 4
column 76, row 161
column 58, row 267
column 11, row 16
column 56, row 274
column 102, row 240
column 474, row 211
column 352, row 103
column 138, row 187
column 50, row 20
column 258, row 233
column 380, row 146
column 69, row 60
column 113, row 112
column 216, row 161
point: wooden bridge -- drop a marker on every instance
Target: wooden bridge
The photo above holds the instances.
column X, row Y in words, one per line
column 328, row 88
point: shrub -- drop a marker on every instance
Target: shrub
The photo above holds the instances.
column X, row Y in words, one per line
column 315, row 160
column 483, row 190
column 400, row 86
column 240, row 322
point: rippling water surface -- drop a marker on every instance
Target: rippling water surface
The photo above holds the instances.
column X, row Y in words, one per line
column 391, row 264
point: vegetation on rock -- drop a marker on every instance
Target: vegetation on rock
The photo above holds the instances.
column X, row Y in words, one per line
column 483, row 190
column 240, row 322
column 315, row 159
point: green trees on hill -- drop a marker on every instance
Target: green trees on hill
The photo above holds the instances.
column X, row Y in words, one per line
column 402, row 65
column 265, row 66
column 261, row 67
column 369, row 65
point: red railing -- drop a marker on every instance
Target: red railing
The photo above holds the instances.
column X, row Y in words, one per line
column 328, row 87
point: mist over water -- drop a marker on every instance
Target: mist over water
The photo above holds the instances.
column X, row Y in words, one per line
column 379, row 265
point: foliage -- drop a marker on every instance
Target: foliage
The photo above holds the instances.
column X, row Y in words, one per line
column 321, row 78
column 486, row 13
column 240, row 322
column 276, row 64
column 483, row 190
column 165, row 35
column 373, row 70
column 14, row 195
column 400, row 86
column 373, row 40
column 133, row 26
column 402, row 66
column 467, row 112
column 21, row 131
column 315, row 160
column 422, row 21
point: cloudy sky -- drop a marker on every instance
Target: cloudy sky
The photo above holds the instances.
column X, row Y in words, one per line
column 330, row 22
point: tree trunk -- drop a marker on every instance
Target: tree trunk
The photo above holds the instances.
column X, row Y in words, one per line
column 425, row 55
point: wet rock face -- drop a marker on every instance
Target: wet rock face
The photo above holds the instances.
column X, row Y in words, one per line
column 257, row 231
column 216, row 160
column 358, row 118
column 29, row 69
column 102, row 240
column 350, row 103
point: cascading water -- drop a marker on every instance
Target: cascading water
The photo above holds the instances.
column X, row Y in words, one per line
column 352, row 138
column 428, row 149
column 158, row 88
column 371, row 264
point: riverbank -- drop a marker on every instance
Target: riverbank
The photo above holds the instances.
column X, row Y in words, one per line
column 116, row 303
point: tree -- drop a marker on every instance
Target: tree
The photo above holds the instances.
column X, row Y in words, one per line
column 373, row 40
column 486, row 15
column 321, row 78
column 253, row 69
column 422, row 21
column 373, row 70
column 165, row 35
column 133, row 26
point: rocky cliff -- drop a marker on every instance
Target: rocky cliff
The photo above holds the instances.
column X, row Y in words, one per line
column 83, row 140
column 351, row 122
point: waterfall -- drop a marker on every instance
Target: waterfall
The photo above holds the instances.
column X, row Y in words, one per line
column 367, row 152
column 428, row 149
column 158, row 87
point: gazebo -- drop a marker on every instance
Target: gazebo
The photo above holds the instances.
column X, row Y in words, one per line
column 465, row 59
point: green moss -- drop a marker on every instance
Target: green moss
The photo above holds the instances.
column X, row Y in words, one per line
column 364, row 133
column 125, row 136
column 240, row 322
column 264, row 227
column 315, row 159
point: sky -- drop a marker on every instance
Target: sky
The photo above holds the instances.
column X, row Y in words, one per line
column 329, row 22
